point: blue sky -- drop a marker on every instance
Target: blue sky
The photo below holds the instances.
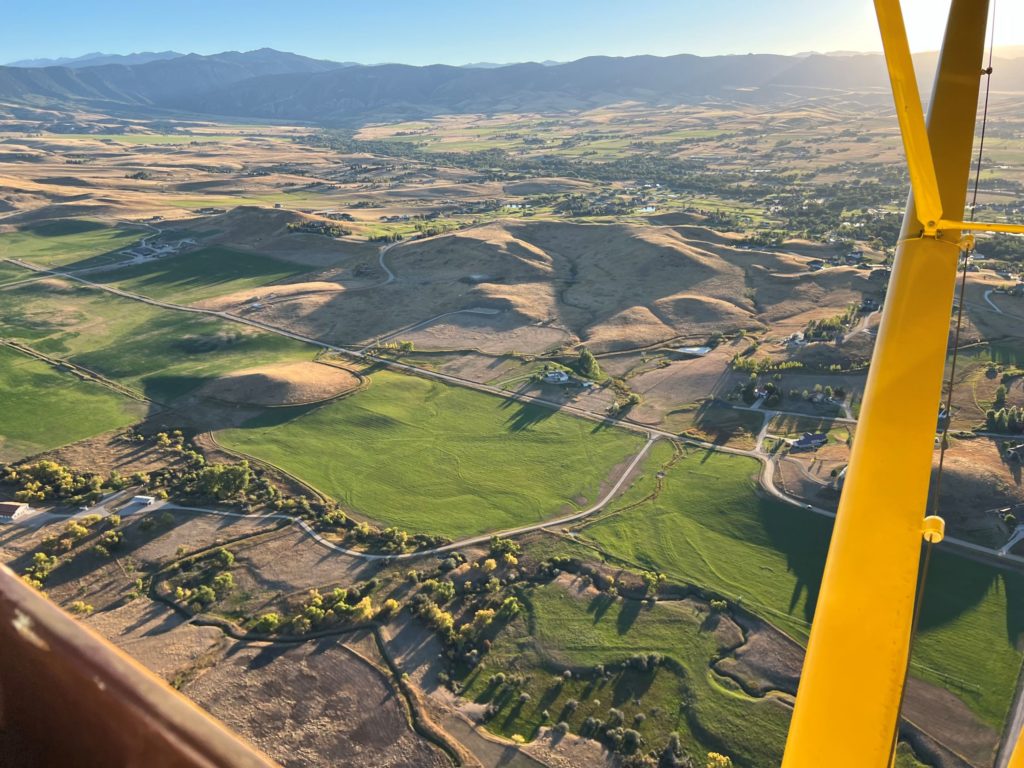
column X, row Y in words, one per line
column 460, row 31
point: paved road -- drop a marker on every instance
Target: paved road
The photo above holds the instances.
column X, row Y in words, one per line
column 991, row 303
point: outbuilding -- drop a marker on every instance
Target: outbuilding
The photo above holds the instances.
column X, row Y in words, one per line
column 12, row 510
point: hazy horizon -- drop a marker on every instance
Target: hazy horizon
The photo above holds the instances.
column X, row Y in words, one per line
column 420, row 34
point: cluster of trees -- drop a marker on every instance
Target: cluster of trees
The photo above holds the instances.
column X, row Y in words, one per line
column 47, row 481
column 102, row 531
column 236, row 482
column 828, row 391
column 762, row 365
column 319, row 228
column 1005, row 420
column 402, row 347
column 386, row 237
column 199, row 590
column 830, row 328
column 1002, row 247
column 340, row 605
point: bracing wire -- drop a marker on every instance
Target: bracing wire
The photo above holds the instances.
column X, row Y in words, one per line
column 948, row 420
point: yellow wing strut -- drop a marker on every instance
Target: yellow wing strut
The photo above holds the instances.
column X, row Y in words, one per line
column 847, row 706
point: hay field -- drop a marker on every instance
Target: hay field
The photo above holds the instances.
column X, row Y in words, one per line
column 162, row 353
column 435, row 459
column 44, row 408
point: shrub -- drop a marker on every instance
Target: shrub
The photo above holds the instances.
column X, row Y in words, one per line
column 267, row 623
column 80, row 608
column 630, row 741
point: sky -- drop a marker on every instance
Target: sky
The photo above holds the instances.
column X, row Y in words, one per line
column 465, row 31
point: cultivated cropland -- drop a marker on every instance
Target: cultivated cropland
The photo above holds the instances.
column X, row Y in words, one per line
column 483, row 424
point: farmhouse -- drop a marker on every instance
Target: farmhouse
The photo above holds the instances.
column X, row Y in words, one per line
column 556, row 377
column 12, row 510
column 810, row 441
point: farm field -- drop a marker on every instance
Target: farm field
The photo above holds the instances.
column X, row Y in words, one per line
column 436, row 459
column 709, row 527
column 44, row 409
column 577, row 630
column 10, row 273
column 64, row 242
column 199, row 274
column 162, row 353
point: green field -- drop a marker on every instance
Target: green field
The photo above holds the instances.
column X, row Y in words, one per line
column 10, row 273
column 436, row 459
column 199, row 275
column 64, row 242
column 709, row 527
column 44, row 408
column 684, row 695
column 160, row 352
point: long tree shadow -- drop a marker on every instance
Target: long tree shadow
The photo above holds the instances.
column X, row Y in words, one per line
column 528, row 415
column 599, row 605
column 628, row 613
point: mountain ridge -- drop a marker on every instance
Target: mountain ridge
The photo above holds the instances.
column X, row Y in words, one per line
column 269, row 84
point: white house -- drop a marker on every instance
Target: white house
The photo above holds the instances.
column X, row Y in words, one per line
column 556, row 377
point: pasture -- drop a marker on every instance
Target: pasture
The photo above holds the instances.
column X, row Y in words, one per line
column 162, row 353
column 431, row 458
column 44, row 408
column 64, row 242
column 709, row 526
column 580, row 630
column 199, row 274
column 11, row 273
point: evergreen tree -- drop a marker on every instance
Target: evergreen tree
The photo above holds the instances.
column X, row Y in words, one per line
column 587, row 364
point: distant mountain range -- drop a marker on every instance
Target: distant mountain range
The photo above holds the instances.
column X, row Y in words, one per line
column 98, row 59
column 275, row 85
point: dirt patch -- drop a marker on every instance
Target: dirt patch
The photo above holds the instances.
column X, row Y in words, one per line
column 284, row 384
column 494, row 334
column 312, row 704
column 767, row 661
column 570, row 751
column 948, row 719
column 111, row 451
column 286, row 563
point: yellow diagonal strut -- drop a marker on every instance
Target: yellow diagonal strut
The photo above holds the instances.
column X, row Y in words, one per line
column 847, row 705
